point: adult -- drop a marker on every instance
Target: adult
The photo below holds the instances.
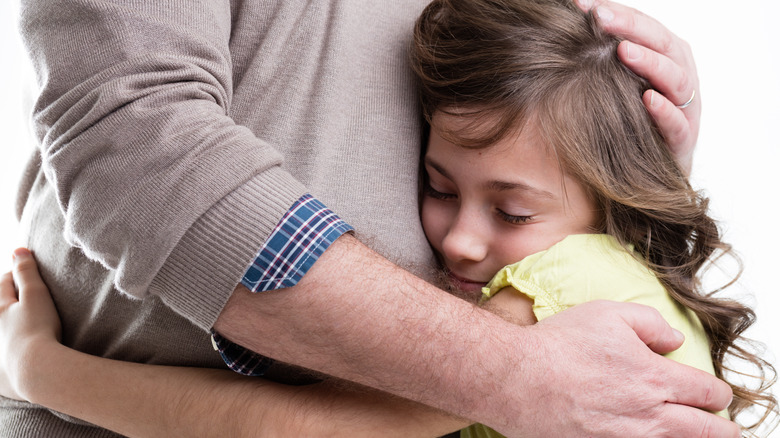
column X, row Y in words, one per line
column 176, row 136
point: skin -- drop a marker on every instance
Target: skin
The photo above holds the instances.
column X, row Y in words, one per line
column 337, row 334
column 484, row 209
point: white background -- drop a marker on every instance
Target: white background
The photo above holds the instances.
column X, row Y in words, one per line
column 736, row 49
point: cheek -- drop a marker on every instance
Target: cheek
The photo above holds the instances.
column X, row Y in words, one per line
column 435, row 222
column 518, row 243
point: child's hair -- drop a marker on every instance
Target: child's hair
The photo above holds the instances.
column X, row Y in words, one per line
column 507, row 64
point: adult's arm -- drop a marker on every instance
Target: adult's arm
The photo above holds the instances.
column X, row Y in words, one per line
column 404, row 330
column 155, row 179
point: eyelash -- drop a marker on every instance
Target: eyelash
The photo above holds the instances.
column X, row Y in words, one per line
column 435, row 194
column 515, row 220
column 511, row 219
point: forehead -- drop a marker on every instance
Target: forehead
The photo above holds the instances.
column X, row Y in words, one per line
column 519, row 160
column 478, row 129
column 467, row 131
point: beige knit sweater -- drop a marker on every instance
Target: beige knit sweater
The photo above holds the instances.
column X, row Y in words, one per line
column 173, row 136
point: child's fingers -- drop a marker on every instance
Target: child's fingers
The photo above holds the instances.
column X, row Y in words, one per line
column 26, row 276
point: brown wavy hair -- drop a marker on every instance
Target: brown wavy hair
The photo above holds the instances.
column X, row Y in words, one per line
column 547, row 63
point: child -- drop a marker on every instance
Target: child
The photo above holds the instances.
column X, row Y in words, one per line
column 541, row 152
column 544, row 172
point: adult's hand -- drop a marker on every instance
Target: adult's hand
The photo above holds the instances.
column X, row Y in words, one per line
column 27, row 317
column 617, row 384
column 660, row 56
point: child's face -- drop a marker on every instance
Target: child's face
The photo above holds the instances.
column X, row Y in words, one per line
column 483, row 209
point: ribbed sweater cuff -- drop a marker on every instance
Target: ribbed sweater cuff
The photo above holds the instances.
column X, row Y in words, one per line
column 208, row 262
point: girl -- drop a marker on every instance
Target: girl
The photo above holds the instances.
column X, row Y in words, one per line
column 539, row 152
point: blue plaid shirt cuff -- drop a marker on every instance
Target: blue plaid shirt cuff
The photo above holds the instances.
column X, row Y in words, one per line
column 301, row 237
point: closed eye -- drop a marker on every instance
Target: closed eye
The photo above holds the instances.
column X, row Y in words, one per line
column 512, row 219
column 435, row 194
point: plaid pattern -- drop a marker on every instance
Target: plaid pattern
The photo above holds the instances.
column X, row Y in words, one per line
column 238, row 358
column 300, row 238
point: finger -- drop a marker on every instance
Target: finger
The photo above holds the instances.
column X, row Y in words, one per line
column 674, row 124
column 652, row 51
column 665, row 75
column 585, row 5
column 633, row 25
column 693, row 387
column 7, row 290
column 684, row 421
column 26, row 276
column 651, row 327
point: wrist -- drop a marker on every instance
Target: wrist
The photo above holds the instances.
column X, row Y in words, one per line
column 36, row 359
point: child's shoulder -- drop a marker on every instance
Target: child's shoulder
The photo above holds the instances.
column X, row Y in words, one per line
column 580, row 268
column 581, row 254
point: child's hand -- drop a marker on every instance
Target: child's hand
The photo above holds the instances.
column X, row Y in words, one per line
column 661, row 57
column 28, row 319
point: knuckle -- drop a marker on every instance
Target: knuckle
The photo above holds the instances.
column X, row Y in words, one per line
column 686, row 47
column 666, row 43
column 25, row 266
column 706, row 428
column 683, row 85
column 709, row 394
column 631, row 21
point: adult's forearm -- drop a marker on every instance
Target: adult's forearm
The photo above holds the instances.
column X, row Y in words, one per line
column 360, row 318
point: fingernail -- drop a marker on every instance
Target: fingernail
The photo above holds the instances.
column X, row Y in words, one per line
column 678, row 334
column 586, row 4
column 604, row 14
column 20, row 253
column 654, row 101
column 633, row 52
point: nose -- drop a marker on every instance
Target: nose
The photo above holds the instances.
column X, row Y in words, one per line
column 466, row 240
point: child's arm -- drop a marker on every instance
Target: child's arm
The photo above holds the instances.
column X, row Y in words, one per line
column 512, row 305
column 140, row 400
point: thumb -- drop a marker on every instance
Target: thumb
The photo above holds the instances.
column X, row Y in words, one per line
column 26, row 276
column 652, row 328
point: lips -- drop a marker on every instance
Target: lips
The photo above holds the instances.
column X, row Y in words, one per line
column 466, row 284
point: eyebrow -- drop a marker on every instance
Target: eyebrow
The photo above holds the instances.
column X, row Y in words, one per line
column 437, row 167
column 497, row 185
column 501, row 186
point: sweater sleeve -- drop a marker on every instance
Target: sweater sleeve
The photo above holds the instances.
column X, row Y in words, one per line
column 154, row 178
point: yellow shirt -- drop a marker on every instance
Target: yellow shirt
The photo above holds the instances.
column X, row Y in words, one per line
column 587, row 267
